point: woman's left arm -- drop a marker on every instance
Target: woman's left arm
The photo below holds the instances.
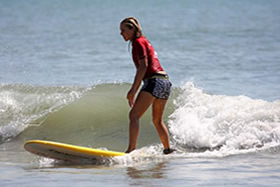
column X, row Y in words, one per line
column 140, row 73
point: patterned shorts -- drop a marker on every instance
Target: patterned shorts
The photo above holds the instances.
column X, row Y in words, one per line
column 159, row 86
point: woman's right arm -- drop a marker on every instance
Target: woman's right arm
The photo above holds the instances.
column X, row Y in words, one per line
column 140, row 73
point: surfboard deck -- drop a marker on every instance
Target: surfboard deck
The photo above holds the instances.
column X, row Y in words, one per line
column 68, row 152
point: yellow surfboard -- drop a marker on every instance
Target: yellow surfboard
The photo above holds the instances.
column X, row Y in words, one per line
column 67, row 152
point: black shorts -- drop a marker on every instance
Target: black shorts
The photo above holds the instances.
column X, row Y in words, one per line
column 158, row 85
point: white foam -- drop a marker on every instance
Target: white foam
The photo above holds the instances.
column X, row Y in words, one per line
column 21, row 105
column 142, row 156
column 237, row 123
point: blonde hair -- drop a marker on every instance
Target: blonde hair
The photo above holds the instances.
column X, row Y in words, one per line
column 131, row 23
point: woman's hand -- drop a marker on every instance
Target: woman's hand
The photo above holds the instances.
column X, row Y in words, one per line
column 130, row 97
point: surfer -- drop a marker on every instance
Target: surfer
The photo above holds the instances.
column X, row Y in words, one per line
column 155, row 90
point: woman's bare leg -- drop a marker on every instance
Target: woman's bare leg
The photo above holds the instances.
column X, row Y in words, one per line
column 158, row 109
column 142, row 103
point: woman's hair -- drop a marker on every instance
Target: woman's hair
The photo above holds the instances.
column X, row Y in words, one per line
column 132, row 22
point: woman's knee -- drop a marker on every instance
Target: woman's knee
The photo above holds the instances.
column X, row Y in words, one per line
column 133, row 115
column 157, row 122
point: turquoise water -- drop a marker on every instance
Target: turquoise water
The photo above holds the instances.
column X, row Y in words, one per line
column 65, row 71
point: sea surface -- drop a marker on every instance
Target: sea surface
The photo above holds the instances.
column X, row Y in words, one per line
column 65, row 71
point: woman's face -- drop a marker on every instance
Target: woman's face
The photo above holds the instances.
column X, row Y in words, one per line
column 126, row 33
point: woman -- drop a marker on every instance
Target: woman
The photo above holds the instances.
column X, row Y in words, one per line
column 156, row 88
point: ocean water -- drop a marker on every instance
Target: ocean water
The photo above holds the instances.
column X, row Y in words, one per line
column 65, row 71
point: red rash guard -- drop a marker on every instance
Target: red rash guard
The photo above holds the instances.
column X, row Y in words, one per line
column 141, row 48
